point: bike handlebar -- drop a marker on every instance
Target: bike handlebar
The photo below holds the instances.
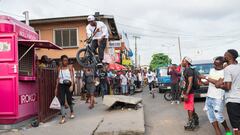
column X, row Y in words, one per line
column 88, row 40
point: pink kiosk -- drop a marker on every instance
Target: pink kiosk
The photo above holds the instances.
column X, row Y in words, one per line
column 18, row 85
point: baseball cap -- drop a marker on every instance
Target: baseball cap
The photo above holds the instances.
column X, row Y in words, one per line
column 189, row 60
column 91, row 18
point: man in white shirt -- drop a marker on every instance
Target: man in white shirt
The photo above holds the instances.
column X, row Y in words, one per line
column 231, row 84
column 214, row 104
column 100, row 34
column 150, row 78
column 124, row 82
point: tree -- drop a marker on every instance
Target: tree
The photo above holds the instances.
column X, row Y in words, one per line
column 158, row 60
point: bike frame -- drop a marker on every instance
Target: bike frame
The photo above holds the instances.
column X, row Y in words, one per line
column 89, row 52
column 88, row 58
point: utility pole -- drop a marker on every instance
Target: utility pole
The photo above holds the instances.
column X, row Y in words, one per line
column 180, row 51
column 136, row 50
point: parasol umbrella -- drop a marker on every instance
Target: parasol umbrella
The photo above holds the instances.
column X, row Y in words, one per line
column 115, row 66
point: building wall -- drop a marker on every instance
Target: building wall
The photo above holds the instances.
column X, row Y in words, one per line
column 46, row 32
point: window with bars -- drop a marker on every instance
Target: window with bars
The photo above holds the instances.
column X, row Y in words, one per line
column 66, row 37
column 26, row 63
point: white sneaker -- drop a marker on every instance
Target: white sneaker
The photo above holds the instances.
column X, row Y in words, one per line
column 178, row 102
column 172, row 102
column 99, row 65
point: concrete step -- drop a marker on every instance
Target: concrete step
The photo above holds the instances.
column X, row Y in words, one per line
column 122, row 122
column 110, row 100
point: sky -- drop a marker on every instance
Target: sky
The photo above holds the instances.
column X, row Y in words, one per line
column 206, row 28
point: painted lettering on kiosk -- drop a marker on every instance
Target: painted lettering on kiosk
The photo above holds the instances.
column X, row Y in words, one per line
column 27, row 98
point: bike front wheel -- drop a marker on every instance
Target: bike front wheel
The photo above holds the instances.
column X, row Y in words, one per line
column 85, row 58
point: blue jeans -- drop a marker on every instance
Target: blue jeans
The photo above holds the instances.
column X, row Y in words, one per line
column 175, row 92
column 124, row 89
column 214, row 108
column 103, row 87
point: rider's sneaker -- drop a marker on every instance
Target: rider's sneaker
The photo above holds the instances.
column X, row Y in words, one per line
column 190, row 125
column 196, row 119
column 172, row 102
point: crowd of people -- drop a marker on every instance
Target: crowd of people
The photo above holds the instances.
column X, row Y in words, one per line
column 95, row 82
column 223, row 81
column 223, row 89
column 122, row 82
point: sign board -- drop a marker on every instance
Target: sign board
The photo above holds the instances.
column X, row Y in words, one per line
column 127, row 62
column 5, row 47
column 27, row 98
column 115, row 44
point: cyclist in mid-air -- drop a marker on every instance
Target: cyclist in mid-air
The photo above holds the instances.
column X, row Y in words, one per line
column 100, row 34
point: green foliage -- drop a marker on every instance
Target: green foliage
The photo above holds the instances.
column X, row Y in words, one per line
column 158, row 60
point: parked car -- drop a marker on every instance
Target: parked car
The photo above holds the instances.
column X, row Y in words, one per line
column 164, row 80
column 203, row 67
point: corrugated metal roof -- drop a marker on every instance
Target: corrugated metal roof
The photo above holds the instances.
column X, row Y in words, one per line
column 66, row 19
column 109, row 18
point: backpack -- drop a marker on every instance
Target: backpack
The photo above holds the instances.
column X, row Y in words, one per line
column 196, row 80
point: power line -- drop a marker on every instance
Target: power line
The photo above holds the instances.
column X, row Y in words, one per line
column 152, row 25
column 155, row 31
column 150, row 36
column 212, row 46
column 178, row 34
column 97, row 9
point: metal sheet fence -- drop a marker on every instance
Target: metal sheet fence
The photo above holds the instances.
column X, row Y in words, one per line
column 47, row 78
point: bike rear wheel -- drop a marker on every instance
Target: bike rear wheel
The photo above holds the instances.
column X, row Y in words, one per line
column 168, row 95
column 85, row 58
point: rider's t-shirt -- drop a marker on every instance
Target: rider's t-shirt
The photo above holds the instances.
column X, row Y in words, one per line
column 101, row 26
